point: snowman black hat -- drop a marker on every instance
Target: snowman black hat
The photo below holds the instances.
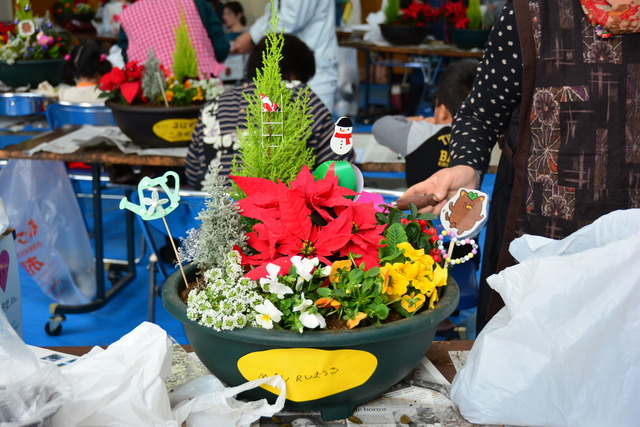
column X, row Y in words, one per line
column 344, row 122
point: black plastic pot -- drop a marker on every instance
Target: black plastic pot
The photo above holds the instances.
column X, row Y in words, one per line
column 156, row 126
column 469, row 39
column 404, row 34
column 23, row 73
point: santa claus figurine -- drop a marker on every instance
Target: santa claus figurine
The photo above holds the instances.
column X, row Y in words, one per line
column 267, row 104
column 342, row 140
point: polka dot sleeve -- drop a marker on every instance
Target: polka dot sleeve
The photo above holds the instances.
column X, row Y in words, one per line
column 485, row 114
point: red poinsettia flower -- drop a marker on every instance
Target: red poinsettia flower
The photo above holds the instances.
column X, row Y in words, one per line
column 420, row 14
column 133, row 71
column 308, row 218
column 112, row 80
column 455, row 13
column 127, row 81
column 5, row 30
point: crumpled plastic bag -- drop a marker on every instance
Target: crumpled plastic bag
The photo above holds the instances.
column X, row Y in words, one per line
column 205, row 402
column 124, row 386
column 29, row 394
column 565, row 349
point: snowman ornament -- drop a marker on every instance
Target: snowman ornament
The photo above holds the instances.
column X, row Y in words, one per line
column 342, row 139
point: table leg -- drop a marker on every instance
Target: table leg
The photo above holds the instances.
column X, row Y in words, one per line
column 97, row 227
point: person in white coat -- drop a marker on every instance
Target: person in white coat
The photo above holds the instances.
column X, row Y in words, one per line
column 312, row 21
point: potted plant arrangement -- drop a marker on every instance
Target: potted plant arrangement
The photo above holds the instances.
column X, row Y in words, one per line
column 410, row 25
column 156, row 107
column 31, row 49
column 467, row 27
column 290, row 274
column 74, row 15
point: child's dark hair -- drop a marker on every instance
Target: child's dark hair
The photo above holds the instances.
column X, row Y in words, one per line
column 455, row 84
column 298, row 62
column 85, row 60
column 237, row 9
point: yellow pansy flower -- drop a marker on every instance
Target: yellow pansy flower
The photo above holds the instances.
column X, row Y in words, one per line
column 345, row 263
column 412, row 302
column 352, row 323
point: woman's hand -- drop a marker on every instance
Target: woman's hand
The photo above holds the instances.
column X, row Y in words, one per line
column 444, row 184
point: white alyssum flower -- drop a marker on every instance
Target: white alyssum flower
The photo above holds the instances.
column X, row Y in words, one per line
column 267, row 313
column 272, row 284
column 228, row 299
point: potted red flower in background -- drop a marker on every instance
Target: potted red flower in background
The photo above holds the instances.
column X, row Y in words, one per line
column 410, row 25
column 467, row 27
column 31, row 49
column 74, row 15
column 156, row 107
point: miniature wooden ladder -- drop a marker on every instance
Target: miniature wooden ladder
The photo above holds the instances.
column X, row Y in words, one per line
column 264, row 133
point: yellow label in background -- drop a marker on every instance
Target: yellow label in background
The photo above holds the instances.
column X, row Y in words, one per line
column 173, row 130
column 310, row 373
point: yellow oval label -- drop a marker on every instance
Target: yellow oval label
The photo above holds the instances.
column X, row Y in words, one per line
column 174, row 130
column 310, row 373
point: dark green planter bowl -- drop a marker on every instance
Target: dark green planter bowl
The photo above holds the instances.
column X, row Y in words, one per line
column 397, row 348
column 404, row 34
column 469, row 39
column 156, row 126
column 23, row 73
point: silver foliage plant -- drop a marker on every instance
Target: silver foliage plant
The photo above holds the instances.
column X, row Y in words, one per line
column 221, row 229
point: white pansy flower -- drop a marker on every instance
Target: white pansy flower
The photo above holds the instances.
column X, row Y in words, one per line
column 304, row 266
column 306, row 303
column 312, row 320
column 272, row 284
column 267, row 314
column 308, row 319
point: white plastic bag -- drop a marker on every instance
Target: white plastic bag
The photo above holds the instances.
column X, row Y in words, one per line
column 205, row 402
column 565, row 349
column 52, row 244
column 29, row 394
column 122, row 385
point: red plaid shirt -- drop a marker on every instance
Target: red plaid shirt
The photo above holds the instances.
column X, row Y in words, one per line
column 153, row 23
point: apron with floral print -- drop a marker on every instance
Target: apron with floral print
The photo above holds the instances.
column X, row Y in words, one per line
column 578, row 153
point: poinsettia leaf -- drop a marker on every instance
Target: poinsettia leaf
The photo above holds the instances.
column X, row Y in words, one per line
column 253, row 185
column 294, row 213
column 333, row 236
column 261, row 271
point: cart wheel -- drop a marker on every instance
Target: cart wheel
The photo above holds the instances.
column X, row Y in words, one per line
column 54, row 326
